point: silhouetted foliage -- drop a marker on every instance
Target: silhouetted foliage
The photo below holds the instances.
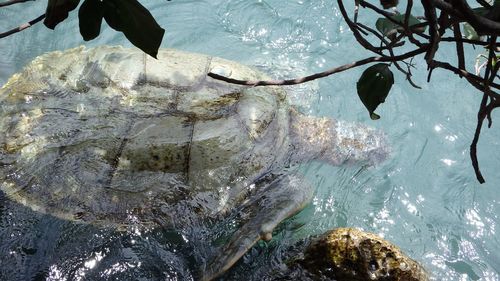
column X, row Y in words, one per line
column 127, row 16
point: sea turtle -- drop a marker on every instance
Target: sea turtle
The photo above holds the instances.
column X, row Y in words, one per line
column 109, row 135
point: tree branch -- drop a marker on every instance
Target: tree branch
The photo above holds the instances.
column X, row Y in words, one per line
column 328, row 72
column 430, row 14
column 22, row 27
column 475, row 80
column 461, row 10
column 483, row 112
column 473, row 146
column 12, row 2
column 459, row 46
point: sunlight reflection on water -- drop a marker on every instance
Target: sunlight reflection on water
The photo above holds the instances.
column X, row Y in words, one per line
column 425, row 199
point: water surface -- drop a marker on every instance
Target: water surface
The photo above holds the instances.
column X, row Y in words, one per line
column 425, row 198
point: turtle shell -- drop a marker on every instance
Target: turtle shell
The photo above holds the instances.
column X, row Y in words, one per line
column 97, row 134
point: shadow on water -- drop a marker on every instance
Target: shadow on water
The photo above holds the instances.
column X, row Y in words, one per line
column 40, row 247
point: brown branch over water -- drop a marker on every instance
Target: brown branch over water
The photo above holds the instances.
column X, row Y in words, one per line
column 449, row 17
column 22, row 27
column 12, row 2
column 461, row 10
column 315, row 76
column 484, row 110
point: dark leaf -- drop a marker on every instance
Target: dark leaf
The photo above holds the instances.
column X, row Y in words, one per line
column 90, row 18
column 387, row 27
column 136, row 22
column 113, row 16
column 389, row 3
column 482, row 11
column 492, row 13
column 57, row 11
column 374, row 86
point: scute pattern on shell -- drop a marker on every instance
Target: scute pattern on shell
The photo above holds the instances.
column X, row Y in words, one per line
column 102, row 133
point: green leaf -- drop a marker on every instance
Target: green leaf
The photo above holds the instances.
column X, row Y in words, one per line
column 57, row 11
column 482, row 11
column 90, row 18
column 469, row 32
column 136, row 22
column 373, row 87
column 387, row 27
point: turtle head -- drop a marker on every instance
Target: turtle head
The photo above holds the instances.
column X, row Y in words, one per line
column 354, row 142
column 336, row 142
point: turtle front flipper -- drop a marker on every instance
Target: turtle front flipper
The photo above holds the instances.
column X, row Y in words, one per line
column 282, row 198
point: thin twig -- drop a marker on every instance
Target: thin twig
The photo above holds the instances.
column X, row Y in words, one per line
column 461, row 10
column 407, row 31
column 472, row 78
column 483, row 113
column 473, row 146
column 463, row 40
column 356, row 11
column 430, row 14
column 328, row 72
column 389, row 46
column 362, row 41
column 484, row 3
column 12, row 2
column 22, row 27
column 460, row 47
column 406, row 23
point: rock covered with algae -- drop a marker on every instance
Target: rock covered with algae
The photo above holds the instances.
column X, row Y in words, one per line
column 354, row 255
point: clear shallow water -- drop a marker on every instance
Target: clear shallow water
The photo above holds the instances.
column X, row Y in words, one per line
column 425, row 198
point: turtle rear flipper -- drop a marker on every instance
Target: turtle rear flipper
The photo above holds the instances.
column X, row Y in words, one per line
column 283, row 198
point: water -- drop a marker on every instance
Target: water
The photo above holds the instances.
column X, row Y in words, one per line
column 425, row 198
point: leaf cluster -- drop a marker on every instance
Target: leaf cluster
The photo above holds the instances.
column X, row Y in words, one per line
column 424, row 33
column 126, row 16
column 473, row 26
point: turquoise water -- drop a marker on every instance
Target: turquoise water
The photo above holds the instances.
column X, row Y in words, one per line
column 425, row 198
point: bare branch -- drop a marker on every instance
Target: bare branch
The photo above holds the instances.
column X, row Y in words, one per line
column 475, row 80
column 483, row 111
column 12, row 2
column 460, row 47
column 329, row 72
column 484, row 3
column 461, row 10
column 463, row 40
column 409, row 6
column 407, row 31
column 22, row 27
column 387, row 45
column 362, row 41
column 473, row 146
column 356, row 11
column 430, row 14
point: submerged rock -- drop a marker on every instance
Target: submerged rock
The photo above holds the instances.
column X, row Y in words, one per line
column 354, row 255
